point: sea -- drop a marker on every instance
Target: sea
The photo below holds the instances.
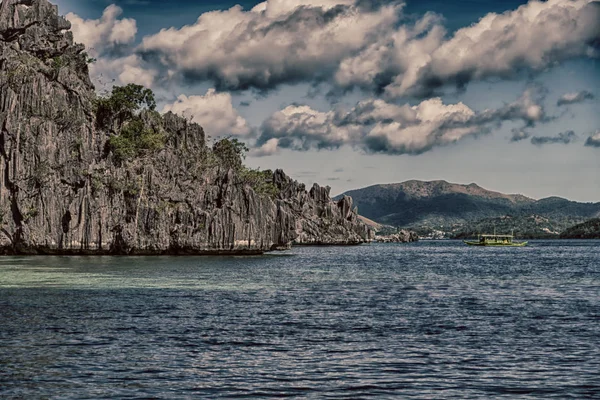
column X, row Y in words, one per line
column 428, row 320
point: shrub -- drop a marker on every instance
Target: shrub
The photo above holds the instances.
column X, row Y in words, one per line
column 260, row 181
column 58, row 63
column 88, row 58
column 231, row 152
column 124, row 103
column 121, row 113
column 135, row 139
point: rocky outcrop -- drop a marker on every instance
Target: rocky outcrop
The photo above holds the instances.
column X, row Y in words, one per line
column 63, row 192
column 319, row 220
column 403, row 236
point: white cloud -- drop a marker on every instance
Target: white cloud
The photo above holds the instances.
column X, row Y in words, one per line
column 527, row 108
column 100, row 35
column 373, row 47
column 435, row 124
column 106, row 72
column 572, row 98
column 593, row 140
column 278, row 8
column 214, row 111
column 400, row 52
column 276, row 42
column 535, row 36
column 103, row 38
column 377, row 126
column 269, row 148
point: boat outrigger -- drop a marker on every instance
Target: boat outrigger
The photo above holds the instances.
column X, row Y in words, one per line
column 495, row 240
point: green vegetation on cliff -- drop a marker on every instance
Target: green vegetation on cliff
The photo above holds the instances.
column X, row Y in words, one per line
column 123, row 104
column 136, row 129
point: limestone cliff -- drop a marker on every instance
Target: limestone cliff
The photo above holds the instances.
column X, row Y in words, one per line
column 318, row 219
column 62, row 190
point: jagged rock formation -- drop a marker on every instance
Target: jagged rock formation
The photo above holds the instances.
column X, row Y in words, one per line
column 320, row 221
column 62, row 191
column 402, row 236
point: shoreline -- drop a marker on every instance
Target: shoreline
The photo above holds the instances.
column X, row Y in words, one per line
column 11, row 252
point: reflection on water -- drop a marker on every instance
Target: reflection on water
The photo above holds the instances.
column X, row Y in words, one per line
column 426, row 320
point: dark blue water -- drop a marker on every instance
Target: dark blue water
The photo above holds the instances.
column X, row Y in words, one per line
column 429, row 320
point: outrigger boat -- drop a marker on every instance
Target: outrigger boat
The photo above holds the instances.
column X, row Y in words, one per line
column 495, row 240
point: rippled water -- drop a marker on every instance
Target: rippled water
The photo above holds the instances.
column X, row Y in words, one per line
column 427, row 320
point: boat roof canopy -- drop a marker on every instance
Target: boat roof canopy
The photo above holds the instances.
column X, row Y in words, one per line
column 499, row 236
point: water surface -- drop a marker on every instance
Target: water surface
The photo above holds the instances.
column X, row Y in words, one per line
column 435, row 319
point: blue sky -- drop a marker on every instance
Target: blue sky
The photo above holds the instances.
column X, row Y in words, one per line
column 352, row 93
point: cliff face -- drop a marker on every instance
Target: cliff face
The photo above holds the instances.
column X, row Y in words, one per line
column 318, row 219
column 63, row 192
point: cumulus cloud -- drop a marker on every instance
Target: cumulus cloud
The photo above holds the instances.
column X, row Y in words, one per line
column 104, row 34
column 370, row 45
column 378, row 126
column 563, row 137
column 268, row 148
column 534, row 36
column 277, row 41
column 107, row 40
column 214, row 111
column 571, row 98
column 107, row 71
column 527, row 109
column 419, row 59
column 594, row 140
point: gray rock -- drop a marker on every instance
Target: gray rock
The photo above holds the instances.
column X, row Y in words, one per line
column 62, row 191
column 403, row 236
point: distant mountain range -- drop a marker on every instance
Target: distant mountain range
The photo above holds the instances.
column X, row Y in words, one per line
column 461, row 210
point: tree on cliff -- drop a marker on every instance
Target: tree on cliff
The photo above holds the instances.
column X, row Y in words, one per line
column 126, row 113
column 123, row 104
column 231, row 152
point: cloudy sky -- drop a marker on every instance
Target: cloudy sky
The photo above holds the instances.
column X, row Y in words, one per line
column 350, row 93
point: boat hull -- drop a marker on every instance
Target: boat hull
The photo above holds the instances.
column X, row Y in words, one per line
column 514, row 244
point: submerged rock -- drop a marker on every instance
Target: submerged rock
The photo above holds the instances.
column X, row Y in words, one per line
column 63, row 192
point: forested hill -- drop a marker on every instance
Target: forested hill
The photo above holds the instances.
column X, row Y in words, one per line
column 587, row 230
column 453, row 207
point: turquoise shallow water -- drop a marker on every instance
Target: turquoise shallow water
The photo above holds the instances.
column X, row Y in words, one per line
column 426, row 320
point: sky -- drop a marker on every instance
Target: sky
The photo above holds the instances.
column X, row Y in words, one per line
column 351, row 93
